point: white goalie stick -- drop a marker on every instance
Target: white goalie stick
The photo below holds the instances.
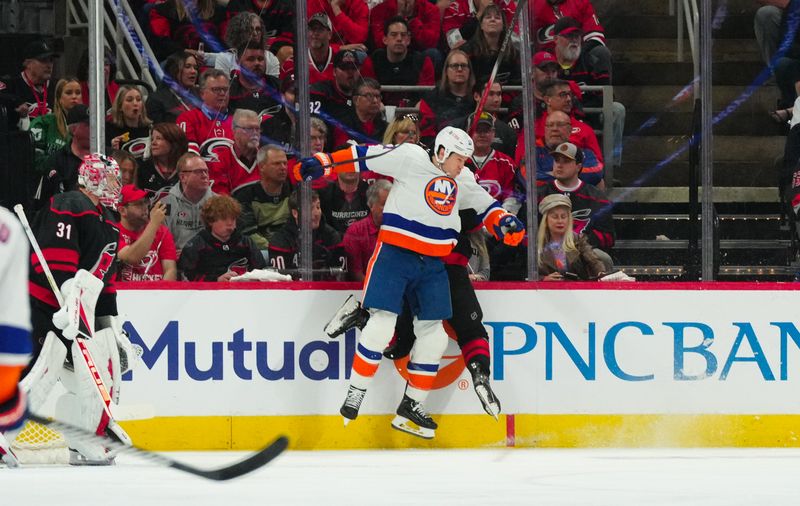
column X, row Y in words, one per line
column 227, row 472
column 101, row 389
column 522, row 4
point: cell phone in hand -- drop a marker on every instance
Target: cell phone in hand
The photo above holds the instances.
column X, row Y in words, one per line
column 571, row 276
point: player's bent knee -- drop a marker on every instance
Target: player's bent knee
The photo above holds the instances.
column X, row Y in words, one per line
column 379, row 329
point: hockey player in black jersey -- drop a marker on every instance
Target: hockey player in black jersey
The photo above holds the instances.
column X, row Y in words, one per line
column 79, row 243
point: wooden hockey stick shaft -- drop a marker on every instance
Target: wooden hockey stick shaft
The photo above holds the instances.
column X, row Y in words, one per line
column 101, row 389
column 502, row 53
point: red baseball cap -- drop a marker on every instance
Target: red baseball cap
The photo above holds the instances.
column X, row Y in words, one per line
column 543, row 58
column 131, row 193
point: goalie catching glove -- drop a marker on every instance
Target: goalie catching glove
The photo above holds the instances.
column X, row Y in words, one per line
column 76, row 315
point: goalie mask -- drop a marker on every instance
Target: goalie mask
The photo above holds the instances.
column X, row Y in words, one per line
column 99, row 174
column 453, row 140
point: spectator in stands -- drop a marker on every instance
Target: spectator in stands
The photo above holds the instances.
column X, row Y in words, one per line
column 505, row 138
column 245, row 29
column 402, row 129
column 451, row 99
column 63, row 175
column 277, row 17
column 251, row 87
column 591, row 209
column 30, row 94
column 327, row 251
column 319, row 134
column 320, row 51
column 545, row 69
column 360, row 238
column 344, row 201
column 558, row 97
column 422, row 21
column 395, row 64
column 211, row 120
column 365, row 118
column 174, row 29
column 50, row 130
column 128, row 126
column 350, row 19
column 219, row 251
column 150, row 253
column 234, row 165
column 767, row 25
column 546, row 13
column 335, row 98
column 280, row 127
column 483, row 48
column 494, row 171
column 479, row 265
column 159, row 173
column 563, row 254
column 591, row 68
column 170, row 99
column 185, row 199
column 265, row 206
column 460, row 20
column 128, row 168
column 109, row 78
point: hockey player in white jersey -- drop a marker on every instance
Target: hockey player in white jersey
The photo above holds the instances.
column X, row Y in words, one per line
column 420, row 225
column 15, row 320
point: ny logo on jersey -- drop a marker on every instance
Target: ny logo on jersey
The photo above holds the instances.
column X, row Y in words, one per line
column 440, row 195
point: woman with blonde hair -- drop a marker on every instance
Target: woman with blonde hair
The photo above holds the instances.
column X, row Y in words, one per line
column 127, row 126
column 402, row 129
column 50, row 131
column 563, row 254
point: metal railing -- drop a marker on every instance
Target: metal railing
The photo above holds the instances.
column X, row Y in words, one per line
column 130, row 63
column 688, row 17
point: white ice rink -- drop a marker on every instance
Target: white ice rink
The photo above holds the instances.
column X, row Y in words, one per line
column 649, row 477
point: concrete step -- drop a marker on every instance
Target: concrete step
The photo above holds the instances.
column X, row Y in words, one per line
column 734, row 26
column 726, row 148
column 758, row 175
column 743, row 122
column 665, row 50
column 724, row 73
column 657, row 98
column 675, row 198
column 677, row 226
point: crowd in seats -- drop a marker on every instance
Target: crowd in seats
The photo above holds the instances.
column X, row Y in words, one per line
column 213, row 144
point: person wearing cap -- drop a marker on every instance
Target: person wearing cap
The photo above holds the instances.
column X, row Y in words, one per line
column 545, row 69
column 335, row 98
column 422, row 18
column 150, row 252
column 494, row 171
column 349, row 18
column 546, row 14
column 591, row 209
column 62, row 175
column 563, row 254
column 505, row 137
column 30, row 94
column 396, row 63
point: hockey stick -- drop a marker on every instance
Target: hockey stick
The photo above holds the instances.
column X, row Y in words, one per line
column 101, row 389
column 503, row 48
column 6, row 453
column 228, row 472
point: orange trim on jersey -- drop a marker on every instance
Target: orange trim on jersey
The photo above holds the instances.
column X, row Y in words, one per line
column 9, row 378
column 420, row 381
column 413, row 244
column 371, row 263
column 364, row 368
column 346, row 158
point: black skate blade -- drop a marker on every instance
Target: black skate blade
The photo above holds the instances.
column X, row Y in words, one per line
column 403, row 424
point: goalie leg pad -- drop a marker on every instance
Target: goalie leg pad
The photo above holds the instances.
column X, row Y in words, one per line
column 44, row 374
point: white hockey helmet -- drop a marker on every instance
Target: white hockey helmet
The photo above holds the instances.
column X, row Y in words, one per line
column 99, row 174
column 453, row 140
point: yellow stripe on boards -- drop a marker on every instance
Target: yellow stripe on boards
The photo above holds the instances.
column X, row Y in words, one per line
column 318, row 432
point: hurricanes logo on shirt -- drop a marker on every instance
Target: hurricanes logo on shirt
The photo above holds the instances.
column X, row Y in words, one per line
column 440, row 195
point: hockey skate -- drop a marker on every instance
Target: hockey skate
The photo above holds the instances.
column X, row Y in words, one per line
column 480, row 380
column 350, row 315
column 412, row 418
column 352, row 403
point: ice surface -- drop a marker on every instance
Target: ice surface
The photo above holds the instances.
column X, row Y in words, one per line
column 433, row 477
